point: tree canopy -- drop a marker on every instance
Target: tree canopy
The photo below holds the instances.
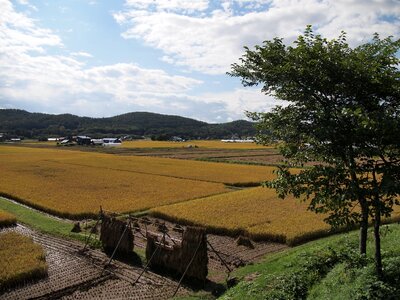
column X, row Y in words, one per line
column 342, row 114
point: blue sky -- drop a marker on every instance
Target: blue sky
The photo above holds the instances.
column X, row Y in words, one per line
column 103, row 58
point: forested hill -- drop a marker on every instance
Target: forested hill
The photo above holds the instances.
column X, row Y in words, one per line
column 32, row 125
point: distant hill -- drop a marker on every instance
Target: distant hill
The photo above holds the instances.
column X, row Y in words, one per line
column 21, row 123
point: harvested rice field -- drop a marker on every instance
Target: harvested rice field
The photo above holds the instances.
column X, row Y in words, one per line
column 76, row 275
column 73, row 274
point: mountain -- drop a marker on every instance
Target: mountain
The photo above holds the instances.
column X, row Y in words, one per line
column 21, row 123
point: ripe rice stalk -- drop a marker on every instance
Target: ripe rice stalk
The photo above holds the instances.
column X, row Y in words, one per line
column 21, row 260
column 256, row 212
column 7, row 219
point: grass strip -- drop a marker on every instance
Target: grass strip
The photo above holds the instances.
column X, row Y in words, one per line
column 40, row 221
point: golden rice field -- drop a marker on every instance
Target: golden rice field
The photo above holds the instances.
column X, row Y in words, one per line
column 178, row 168
column 257, row 212
column 21, row 259
column 6, row 219
column 74, row 184
column 196, row 170
column 70, row 190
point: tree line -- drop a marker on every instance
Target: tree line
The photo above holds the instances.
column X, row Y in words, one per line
column 138, row 124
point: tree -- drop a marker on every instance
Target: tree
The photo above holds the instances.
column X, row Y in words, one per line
column 343, row 114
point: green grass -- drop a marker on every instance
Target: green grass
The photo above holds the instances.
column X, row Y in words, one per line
column 329, row 268
column 196, row 296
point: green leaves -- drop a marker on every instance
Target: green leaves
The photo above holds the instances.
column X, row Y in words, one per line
column 343, row 115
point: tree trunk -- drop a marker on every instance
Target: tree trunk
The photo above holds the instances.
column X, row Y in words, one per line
column 378, row 255
column 377, row 236
column 363, row 202
column 363, row 226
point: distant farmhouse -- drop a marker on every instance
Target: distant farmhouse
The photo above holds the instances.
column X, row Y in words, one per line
column 83, row 140
column 4, row 137
column 177, row 139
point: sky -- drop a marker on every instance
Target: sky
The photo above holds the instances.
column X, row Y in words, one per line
column 101, row 58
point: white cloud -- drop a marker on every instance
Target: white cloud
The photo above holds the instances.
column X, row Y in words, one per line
column 63, row 83
column 18, row 32
column 188, row 6
column 211, row 42
column 26, row 3
column 82, row 54
column 234, row 104
column 205, row 36
column 167, row 59
column 32, row 78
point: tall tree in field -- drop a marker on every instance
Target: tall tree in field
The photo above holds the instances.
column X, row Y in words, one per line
column 343, row 112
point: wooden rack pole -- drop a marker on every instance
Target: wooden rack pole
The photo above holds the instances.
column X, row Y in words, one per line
column 220, row 258
column 90, row 234
column 147, row 265
column 141, row 233
column 187, row 268
column 170, row 238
